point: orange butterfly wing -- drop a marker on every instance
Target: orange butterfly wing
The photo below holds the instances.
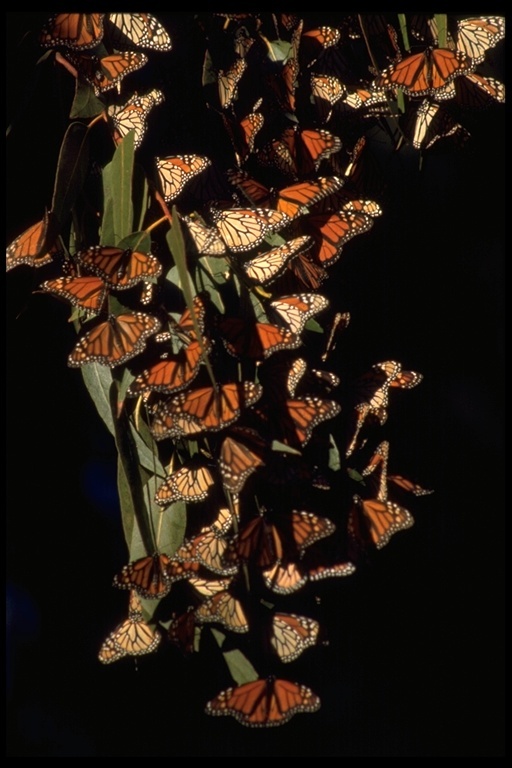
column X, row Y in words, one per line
column 114, row 341
column 147, row 576
column 264, row 703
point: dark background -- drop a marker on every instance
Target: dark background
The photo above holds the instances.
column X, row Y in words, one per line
column 415, row 661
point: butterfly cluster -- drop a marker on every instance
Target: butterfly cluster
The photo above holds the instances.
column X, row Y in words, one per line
column 202, row 298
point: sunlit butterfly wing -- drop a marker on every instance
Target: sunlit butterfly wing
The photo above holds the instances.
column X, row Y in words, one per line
column 133, row 115
column 266, row 267
column 175, row 171
column 242, row 229
column 209, row 587
column 78, row 31
column 256, row 341
column 204, row 409
column 425, row 73
column 326, row 91
column 206, row 239
column 225, row 609
column 297, row 309
column 173, row 374
column 476, row 35
column 284, row 578
column 32, row 246
column 107, row 72
column 431, row 123
column 142, row 30
column 297, row 418
column 88, row 293
column 189, row 483
column 147, row 576
column 228, row 80
column 380, row 519
column 264, row 703
column 292, row 634
column 114, row 341
column 331, row 231
column 133, row 637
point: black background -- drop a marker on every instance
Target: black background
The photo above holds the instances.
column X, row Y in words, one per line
column 415, row 661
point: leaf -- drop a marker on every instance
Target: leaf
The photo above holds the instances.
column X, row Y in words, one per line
column 140, row 196
column 137, row 241
column 442, row 28
column 147, row 451
column 85, row 104
column 121, row 184
column 107, row 235
column 239, row 666
column 334, row 455
column 72, row 169
column 98, row 379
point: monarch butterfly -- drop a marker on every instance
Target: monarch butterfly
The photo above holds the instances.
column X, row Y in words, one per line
column 206, row 239
column 119, row 268
column 304, row 270
column 264, row 703
column 107, row 72
column 432, row 123
column 223, row 608
column 473, row 91
column 89, row 293
column 373, row 386
column 133, row 115
column 78, row 31
column 209, row 587
column 140, row 29
column 209, row 548
column 284, row 578
column 365, row 102
column 243, row 134
column 242, row 229
column 228, row 80
column 114, row 341
column 326, row 571
column 292, row 200
column 190, row 483
column 377, row 517
column 297, row 309
column 182, row 632
column 147, row 576
column 292, row 634
column 202, row 410
column 133, row 637
column 409, row 485
column 176, row 170
column 330, row 231
column 300, row 152
column 173, row 374
column 32, row 247
column 315, row 41
column 326, row 90
column 426, row 73
column 256, row 341
column 474, row 36
column 294, row 420
column 266, row 267
column 241, row 453
column 284, row 82
column 265, row 538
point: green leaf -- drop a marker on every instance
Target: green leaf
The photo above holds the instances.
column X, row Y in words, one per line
column 107, row 235
column 121, row 180
column 442, row 28
column 239, row 666
column 137, row 241
column 140, row 196
column 72, row 169
column 403, row 29
column 334, row 455
column 278, row 50
column 147, row 449
column 85, row 104
column 355, row 475
column 98, row 379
